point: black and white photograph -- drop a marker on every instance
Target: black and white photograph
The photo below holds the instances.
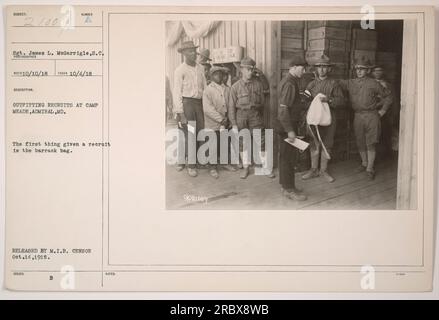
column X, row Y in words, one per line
column 220, row 149
column 319, row 101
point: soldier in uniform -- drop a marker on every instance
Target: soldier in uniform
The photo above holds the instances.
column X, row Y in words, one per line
column 370, row 101
column 288, row 117
column 246, row 107
column 333, row 95
column 389, row 119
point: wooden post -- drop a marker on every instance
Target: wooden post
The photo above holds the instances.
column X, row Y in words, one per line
column 407, row 164
column 274, row 74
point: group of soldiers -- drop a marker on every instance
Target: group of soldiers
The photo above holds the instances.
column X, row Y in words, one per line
column 202, row 93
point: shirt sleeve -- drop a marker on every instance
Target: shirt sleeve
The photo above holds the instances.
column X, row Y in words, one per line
column 344, row 84
column 261, row 93
column 204, row 81
column 386, row 96
column 310, row 86
column 209, row 107
column 337, row 98
column 178, row 87
column 227, row 98
column 287, row 94
column 231, row 106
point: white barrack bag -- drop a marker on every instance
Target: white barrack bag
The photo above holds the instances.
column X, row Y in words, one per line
column 319, row 114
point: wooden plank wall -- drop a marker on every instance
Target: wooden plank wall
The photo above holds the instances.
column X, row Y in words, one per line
column 292, row 42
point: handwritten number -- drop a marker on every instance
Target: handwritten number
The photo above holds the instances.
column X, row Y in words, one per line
column 28, row 21
column 68, row 19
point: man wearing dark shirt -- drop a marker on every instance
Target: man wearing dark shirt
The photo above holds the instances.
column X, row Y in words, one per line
column 288, row 117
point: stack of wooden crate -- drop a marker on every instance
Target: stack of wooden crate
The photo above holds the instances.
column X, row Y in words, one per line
column 331, row 38
column 364, row 46
column 292, row 42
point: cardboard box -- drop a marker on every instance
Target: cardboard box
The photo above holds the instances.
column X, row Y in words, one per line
column 227, row 55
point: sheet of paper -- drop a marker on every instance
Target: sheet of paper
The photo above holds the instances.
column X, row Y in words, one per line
column 93, row 203
column 298, row 143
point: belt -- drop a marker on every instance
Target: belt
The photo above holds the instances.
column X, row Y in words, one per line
column 249, row 108
column 366, row 111
column 192, row 98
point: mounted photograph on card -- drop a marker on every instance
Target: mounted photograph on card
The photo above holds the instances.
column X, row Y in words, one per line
column 252, row 149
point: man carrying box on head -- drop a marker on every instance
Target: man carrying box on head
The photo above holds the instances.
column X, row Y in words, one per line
column 370, row 101
column 215, row 110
